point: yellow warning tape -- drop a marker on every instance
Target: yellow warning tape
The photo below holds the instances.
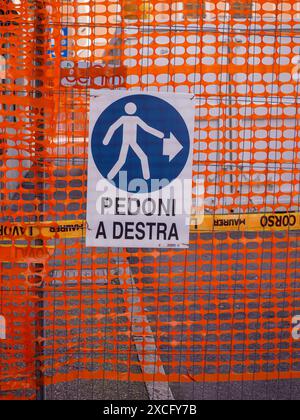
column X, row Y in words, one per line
column 250, row 222
column 200, row 223
column 48, row 230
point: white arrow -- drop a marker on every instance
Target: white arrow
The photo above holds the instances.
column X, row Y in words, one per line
column 172, row 147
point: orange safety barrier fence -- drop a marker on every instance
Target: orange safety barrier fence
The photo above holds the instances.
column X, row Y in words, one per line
column 221, row 310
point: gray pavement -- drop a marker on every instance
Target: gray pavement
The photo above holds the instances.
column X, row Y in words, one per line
column 112, row 390
column 256, row 390
column 97, row 390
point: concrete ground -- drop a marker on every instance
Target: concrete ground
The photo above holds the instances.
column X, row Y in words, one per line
column 97, row 390
column 257, row 390
column 112, row 390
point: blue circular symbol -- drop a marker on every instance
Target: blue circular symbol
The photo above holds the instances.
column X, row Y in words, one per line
column 142, row 136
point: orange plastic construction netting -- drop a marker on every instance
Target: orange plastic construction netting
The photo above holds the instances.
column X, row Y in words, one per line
column 221, row 310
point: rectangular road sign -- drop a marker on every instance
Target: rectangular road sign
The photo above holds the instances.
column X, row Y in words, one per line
column 140, row 170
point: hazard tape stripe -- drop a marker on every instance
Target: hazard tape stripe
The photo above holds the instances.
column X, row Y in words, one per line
column 200, row 223
column 250, row 222
column 49, row 230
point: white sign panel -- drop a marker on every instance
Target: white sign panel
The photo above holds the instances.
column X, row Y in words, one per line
column 140, row 170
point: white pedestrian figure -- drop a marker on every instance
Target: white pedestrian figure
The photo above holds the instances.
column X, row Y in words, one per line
column 130, row 123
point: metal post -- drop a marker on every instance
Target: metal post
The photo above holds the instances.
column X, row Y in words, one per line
column 230, row 131
column 231, row 42
column 40, row 52
column 5, row 45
